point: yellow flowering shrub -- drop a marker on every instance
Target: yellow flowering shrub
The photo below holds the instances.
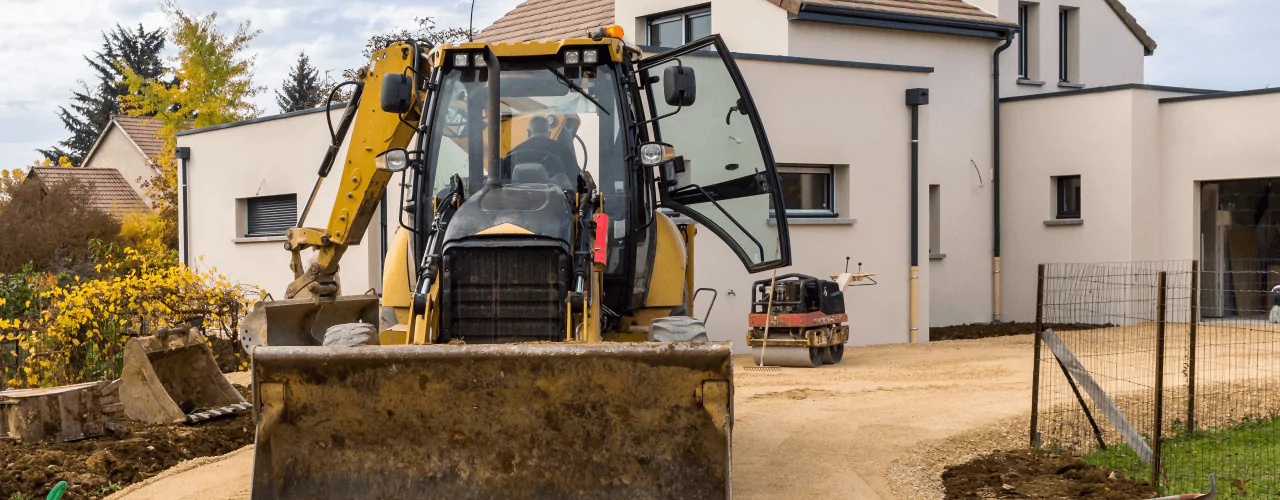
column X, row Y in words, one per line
column 80, row 335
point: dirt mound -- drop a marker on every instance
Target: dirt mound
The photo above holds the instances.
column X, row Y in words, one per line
column 95, row 468
column 988, row 330
column 1038, row 474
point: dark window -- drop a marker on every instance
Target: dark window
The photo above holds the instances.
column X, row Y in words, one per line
column 935, row 219
column 1024, row 47
column 270, row 215
column 808, row 191
column 674, row 30
column 1064, row 44
column 1069, row 197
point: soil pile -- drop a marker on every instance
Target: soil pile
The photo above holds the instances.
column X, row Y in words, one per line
column 1038, row 474
column 988, row 330
column 95, row 468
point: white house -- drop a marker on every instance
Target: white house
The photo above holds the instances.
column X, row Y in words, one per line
column 128, row 144
column 830, row 79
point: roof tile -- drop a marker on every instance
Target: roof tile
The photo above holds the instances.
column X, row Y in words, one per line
column 108, row 189
column 549, row 20
column 144, row 131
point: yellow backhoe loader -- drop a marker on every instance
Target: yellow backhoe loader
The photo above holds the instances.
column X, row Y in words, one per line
column 533, row 336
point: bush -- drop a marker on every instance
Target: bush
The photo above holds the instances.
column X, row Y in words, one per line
column 80, row 335
column 50, row 228
column 20, row 306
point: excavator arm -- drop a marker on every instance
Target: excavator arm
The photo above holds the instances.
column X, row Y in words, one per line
column 361, row 184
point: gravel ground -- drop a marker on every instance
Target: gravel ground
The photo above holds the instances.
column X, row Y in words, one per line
column 832, row 432
column 918, row 476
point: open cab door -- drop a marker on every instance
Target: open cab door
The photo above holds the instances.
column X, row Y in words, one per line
column 714, row 161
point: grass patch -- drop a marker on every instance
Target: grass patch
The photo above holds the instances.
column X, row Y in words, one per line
column 1245, row 457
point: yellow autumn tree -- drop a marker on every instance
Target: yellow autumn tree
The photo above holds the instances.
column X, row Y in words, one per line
column 211, row 84
column 11, row 179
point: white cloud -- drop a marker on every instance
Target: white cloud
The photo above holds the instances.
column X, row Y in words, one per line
column 42, row 43
column 1215, row 44
column 1221, row 44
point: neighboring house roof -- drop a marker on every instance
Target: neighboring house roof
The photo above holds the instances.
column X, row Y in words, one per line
column 944, row 9
column 142, row 131
column 107, row 189
column 1133, row 25
column 549, row 20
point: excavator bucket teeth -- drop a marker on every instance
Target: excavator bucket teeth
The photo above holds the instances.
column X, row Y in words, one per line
column 515, row 421
column 302, row 322
column 167, row 378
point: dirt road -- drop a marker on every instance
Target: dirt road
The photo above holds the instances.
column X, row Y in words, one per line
column 834, row 432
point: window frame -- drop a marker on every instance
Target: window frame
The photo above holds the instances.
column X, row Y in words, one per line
column 1024, row 44
column 683, row 16
column 799, row 213
column 1064, row 45
column 935, row 220
column 1061, row 212
column 249, row 210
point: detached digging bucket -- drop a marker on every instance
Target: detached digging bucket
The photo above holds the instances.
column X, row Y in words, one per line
column 175, row 379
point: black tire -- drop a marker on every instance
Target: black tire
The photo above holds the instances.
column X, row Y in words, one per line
column 833, row 354
column 351, row 335
column 815, row 355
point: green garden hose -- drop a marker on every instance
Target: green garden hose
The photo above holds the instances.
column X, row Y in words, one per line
column 57, row 491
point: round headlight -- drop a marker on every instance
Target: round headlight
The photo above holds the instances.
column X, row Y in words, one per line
column 393, row 160
column 651, row 154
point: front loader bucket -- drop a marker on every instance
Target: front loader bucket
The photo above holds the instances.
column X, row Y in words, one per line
column 175, row 379
column 513, row 421
column 302, row 322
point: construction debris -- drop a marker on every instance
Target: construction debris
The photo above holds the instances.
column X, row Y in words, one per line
column 51, row 414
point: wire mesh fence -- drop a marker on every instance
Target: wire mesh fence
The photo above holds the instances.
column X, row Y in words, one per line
column 1172, row 375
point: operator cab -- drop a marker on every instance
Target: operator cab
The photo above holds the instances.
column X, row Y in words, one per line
column 590, row 119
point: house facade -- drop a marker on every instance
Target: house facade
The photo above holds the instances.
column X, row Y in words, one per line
column 830, row 79
column 128, row 144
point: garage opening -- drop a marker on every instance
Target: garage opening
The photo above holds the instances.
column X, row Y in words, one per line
column 1239, row 246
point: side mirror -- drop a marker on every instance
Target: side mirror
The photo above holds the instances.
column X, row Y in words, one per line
column 679, row 85
column 397, row 93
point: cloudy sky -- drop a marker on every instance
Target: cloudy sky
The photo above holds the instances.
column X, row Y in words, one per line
column 1219, row 44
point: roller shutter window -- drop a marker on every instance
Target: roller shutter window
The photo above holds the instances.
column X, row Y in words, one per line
column 271, row 215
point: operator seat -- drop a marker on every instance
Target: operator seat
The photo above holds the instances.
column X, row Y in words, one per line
column 530, row 173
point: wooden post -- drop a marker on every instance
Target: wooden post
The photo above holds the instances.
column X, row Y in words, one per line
column 1035, row 365
column 1191, row 345
column 1156, row 460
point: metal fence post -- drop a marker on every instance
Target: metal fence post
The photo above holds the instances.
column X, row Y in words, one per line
column 1157, row 460
column 1191, row 345
column 1035, row 367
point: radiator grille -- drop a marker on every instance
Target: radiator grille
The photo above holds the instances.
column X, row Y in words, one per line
column 504, row 294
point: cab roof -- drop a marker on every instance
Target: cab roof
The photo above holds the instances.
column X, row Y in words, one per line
column 528, row 49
